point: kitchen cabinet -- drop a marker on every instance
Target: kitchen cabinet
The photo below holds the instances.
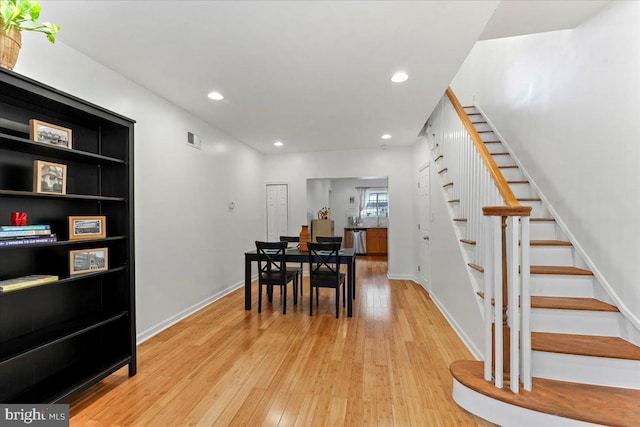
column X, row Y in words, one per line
column 376, row 241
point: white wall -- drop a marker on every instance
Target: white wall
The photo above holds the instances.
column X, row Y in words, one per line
column 450, row 286
column 394, row 163
column 568, row 103
column 189, row 246
column 318, row 191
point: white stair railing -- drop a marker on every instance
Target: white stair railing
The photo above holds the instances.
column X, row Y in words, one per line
column 499, row 226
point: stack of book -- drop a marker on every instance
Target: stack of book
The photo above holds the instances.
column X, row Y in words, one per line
column 25, row 282
column 16, row 235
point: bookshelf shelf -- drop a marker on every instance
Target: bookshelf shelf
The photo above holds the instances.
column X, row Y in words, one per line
column 61, row 337
column 25, row 145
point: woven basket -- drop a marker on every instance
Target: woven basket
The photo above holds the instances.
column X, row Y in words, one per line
column 9, row 47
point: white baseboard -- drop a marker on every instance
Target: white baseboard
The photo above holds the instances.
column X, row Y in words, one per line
column 475, row 351
column 165, row 324
column 391, row 276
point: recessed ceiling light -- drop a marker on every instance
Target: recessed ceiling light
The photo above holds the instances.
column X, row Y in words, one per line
column 216, row 96
column 386, row 136
column 399, row 77
column 278, row 144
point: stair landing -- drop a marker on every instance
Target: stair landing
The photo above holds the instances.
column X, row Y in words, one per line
column 609, row 406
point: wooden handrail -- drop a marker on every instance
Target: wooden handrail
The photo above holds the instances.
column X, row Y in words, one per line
column 494, row 171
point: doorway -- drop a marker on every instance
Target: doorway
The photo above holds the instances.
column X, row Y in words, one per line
column 277, row 211
column 424, row 227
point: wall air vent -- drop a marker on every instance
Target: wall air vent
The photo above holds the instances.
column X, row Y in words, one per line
column 193, row 140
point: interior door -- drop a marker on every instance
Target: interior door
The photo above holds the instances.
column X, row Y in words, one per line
column 277, row 211
column 424, row 227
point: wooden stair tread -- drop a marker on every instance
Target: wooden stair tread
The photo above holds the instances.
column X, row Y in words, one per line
column 443, row 170
column 476, row 267
column 468, row 242
column 491, row 142
column 567, row 303
column 438, row 158
column 561, row 270
column 549, row 243
column 585, row 345
column 448, row 184
column 472, row 114
column 499, row 154
column 602, row 405
column 542, row 219
column 519, row 181
column 484, row 131
column 507, row 167
column 454, row 201
column 460, row 219
column 476, row 123
column 529, row 199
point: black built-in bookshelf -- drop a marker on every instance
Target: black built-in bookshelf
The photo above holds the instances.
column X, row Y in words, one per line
column 59, row 338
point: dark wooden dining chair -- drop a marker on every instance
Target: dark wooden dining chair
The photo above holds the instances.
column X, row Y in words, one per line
column 289, row 240
column 273, row 271
column 324, row 272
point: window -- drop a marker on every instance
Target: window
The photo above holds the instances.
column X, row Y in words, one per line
column 377, row 204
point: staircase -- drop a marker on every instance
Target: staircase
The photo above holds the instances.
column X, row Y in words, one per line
column 584, row 370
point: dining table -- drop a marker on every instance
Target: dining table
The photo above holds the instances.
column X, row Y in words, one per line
column 347, row 257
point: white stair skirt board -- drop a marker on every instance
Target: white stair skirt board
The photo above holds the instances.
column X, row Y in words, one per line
column 552, row 255
column 506, row 415
column 577, row 322
column 560, row 285
column 585, row 369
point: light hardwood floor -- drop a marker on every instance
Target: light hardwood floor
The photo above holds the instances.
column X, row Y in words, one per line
column 386, row 366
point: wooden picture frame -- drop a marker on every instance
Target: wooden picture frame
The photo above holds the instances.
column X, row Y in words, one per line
column 49, row 178
column 48, row 133
column 87, row 227
column 88, row 260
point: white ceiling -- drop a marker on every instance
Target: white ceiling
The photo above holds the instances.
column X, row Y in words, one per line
column 314, row 74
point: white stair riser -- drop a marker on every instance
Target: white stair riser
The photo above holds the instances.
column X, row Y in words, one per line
column 495, row 148
column 512, row 174
column 504, row 160
column 480, row 126
column 537, row 209
column 523, row 190
column 552, row 255
column 543, row 230
column 561, row 280
column 488, row 136
column 578, row 322
column 562, row 288
column 584, row 369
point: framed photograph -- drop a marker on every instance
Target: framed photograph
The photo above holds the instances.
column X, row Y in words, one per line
column 87, row 227
column 50, row 178
column 88, row 260
column 48, row 133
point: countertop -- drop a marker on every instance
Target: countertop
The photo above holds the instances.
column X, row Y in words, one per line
column 362, row 228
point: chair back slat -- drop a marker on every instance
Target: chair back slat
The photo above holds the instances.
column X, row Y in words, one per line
column 271, row 258
column 324, row 258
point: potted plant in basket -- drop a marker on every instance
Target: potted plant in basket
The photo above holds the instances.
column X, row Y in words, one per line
column 17, row 16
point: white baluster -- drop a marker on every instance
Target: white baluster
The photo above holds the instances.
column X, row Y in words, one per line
column 514, row 310
column 488, row 295
column 525, row 268
column 497, row 295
